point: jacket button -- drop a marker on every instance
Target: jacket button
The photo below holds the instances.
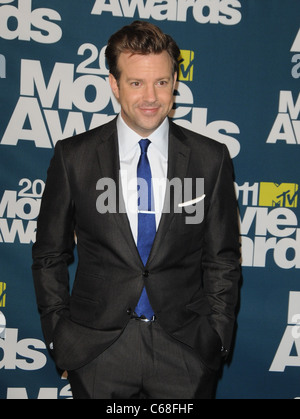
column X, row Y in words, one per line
column 129, row 311
column 145, row 274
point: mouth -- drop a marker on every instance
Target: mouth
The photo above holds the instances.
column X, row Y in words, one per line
column 149, row 111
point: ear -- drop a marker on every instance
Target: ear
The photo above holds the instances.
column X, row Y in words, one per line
column 114, row 85
column 175, row 80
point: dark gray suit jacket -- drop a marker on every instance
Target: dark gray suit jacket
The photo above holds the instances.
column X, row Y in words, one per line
column 192, row 273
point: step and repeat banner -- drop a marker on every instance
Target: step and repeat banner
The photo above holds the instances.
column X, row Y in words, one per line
column 239, row 84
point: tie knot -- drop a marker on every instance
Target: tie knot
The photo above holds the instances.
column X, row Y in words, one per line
column 144, row 144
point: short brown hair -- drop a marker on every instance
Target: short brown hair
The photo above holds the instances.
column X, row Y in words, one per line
column 140, row 38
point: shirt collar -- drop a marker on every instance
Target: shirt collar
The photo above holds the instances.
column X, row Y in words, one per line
column 129, row 139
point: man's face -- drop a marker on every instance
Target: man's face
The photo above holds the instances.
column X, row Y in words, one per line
column 145, row 90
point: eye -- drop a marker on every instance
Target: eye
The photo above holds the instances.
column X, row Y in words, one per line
column 135, row 84
column 162, row 83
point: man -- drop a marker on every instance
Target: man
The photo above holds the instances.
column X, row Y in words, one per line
column 152, row 309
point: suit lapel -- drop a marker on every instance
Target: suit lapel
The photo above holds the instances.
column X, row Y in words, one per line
column 109, row 161
column 178, row 161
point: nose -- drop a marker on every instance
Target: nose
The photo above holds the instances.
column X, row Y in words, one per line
column 150, row 94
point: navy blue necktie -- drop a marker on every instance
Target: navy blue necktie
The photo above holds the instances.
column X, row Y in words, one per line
column 146, row 221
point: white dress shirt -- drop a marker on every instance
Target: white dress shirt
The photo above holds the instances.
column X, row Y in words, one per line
column 130, row 152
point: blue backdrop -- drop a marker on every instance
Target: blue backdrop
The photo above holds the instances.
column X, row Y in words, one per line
column 239, row 84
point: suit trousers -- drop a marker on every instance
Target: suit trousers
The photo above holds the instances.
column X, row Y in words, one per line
column 144, row 363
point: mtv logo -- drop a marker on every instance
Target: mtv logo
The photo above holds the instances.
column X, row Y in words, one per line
column 186, row 65
column 278, row 195
column 2, row 294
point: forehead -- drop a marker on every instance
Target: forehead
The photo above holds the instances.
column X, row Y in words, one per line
column 134, row 64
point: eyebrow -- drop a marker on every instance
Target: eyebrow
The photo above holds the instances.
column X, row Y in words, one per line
column 157, row 79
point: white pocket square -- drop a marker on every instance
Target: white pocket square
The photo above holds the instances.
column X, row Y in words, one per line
column 192, row 202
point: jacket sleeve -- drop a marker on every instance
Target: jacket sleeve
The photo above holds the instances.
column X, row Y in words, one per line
column 221, row 259
column 53, row 250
